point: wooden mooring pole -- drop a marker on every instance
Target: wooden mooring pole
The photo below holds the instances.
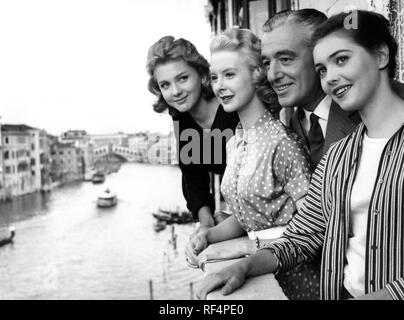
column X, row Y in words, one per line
column 173, row 237
column 191, row 290
column 151, row 289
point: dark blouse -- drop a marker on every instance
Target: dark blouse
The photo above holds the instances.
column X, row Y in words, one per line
column 193, row 147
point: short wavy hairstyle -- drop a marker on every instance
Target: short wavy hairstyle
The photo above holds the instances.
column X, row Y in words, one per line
column 245, row 41
column 169, row 49
column 308, row 18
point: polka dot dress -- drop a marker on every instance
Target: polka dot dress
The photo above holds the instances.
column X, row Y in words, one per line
column 267, row 172
column 302, row 282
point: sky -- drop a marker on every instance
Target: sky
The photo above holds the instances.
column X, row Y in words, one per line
column 80, row 64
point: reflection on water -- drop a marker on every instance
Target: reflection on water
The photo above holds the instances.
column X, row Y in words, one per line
column 67, row 248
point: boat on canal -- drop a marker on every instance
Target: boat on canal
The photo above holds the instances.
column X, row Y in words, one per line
column 173, row 216
column 159, row 225
column 107, row 199
column 98, row 177
column 9, row 239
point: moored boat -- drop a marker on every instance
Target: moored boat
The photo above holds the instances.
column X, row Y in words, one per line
column 173, row 216
column 159, row 225
column 9, row 239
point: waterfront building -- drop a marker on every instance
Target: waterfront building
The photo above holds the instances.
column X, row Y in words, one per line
column 139, row 143
column 116, row 139
column 67, row 162
column 46, row 142
column 21, row 159
column 83, row 141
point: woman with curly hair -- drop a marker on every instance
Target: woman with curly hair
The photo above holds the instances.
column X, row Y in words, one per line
column 268, row 171
column 180, row 78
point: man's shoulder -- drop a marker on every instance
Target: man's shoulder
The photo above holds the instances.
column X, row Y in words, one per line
column 336, row 112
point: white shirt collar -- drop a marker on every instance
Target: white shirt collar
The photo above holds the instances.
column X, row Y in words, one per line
column 322, row 110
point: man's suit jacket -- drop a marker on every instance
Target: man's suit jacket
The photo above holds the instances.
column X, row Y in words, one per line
column 340, row 124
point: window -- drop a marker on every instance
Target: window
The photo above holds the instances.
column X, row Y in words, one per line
column 22, row 167
column 21, row 140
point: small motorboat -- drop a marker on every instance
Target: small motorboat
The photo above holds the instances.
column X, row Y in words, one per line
column 98, row 177
column 107, row 199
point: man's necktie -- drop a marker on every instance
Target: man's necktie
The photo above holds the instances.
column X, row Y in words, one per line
column 316, row 140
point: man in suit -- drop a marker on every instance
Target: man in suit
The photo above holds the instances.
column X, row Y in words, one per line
column 287, row 55
column 287, row 52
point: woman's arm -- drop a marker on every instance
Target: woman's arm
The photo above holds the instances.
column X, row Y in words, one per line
column 196, row 190
column 226, row 230
column 234, row 276
column 304, row 235
column 205, row 217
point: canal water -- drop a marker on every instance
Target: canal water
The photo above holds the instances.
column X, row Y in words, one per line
column 67, row 248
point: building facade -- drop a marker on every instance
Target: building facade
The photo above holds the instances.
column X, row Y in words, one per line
column 118, row 139
column 46, row 142
column 21, row 160
column 139, row 142
column 83, row 141
column 67, row 163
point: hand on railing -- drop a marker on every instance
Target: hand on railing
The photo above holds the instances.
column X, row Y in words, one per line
column 226, row 250
column 230, row 278
column 194, row 246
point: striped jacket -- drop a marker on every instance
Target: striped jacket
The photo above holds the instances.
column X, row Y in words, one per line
column 323, row 221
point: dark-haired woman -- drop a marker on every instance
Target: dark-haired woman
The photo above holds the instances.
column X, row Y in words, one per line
column 354, row 212
column 180, row 78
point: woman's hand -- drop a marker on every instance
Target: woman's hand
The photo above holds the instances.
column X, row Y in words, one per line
column 230, row 278
column 226, row 250
column 195, row 245
column 201, row 228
